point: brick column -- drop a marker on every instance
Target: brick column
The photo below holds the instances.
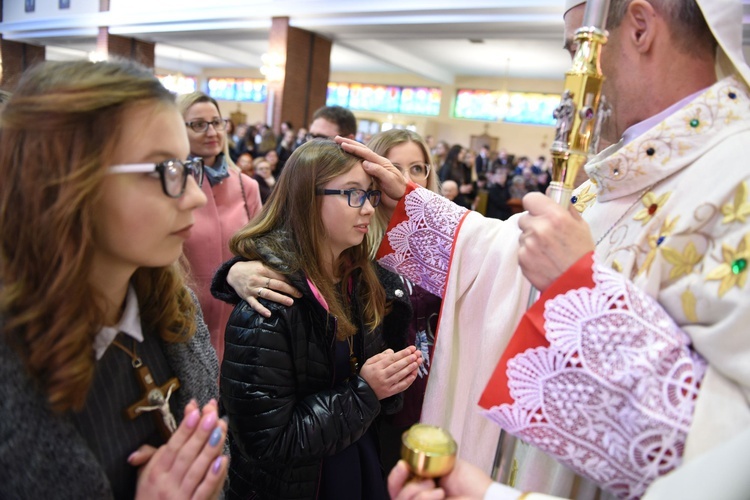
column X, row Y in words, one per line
column 15, row 58
column 303, row 87
column 125, row 47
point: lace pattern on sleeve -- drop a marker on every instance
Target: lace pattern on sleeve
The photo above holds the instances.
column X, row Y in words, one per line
column 422, row 244
column 614, row 393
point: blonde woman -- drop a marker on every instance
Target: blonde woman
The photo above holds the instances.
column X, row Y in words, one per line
column 233, row 199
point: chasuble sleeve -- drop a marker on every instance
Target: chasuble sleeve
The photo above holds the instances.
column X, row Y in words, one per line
column 599, row 376
column 420, row 238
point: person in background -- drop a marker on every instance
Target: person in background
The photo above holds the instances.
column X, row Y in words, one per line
column 98, row 196
column 440, row 154
column 233, row 200
column 482, row 162
column 303, row 386
column 245, row 164
column 330, row 121
column 300, row 138
column 449, row 189
column 231, row 142
column 409, row 154
column 498, row 195
column 454, row 167
column 285, row 149
column 247, row 143
column 264, row 177
column 267, row 142
column 284, row 127
column 272, row 157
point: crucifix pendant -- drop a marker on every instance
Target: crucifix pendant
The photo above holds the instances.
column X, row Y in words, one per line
column 155, row 399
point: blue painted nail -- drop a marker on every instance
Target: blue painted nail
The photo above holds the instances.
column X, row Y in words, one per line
column 215, row 437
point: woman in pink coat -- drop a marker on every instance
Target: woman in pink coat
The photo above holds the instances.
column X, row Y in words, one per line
column 233, row 199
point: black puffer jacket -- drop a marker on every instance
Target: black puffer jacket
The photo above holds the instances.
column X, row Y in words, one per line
column 277, row 376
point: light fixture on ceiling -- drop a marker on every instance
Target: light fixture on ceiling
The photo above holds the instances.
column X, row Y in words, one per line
column 273, row 66
column 98, row 56
column 476, row 40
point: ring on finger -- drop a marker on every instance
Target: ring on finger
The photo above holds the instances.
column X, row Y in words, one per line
column 260, row 292
column 268, row 283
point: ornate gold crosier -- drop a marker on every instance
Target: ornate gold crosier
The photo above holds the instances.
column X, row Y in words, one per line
column 579, row 118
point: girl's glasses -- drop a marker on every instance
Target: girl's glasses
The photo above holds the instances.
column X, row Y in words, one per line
column 355, row 197
column 173, row 173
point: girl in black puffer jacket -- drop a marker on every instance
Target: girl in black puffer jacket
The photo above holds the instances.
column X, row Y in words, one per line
column 303, row 386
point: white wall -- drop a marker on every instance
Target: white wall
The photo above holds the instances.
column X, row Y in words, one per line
column 14, row 10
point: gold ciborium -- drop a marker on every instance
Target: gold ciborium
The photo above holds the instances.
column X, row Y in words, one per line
column 429, row 451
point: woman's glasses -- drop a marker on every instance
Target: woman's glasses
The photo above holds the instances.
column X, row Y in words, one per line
column 201, row 126
column 355, row 197
column 417, row 171
column 173, row 173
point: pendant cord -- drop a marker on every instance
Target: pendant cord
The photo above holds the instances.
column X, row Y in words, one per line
column 137, row 362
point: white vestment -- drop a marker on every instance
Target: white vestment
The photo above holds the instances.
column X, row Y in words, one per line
column 672, row 211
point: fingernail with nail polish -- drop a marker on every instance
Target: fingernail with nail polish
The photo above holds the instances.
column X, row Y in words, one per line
column 217, row 465
column 215, row 437
column 210, row 421
column 193, row 418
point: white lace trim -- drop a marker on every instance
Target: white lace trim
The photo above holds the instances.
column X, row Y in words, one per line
column 422, row 243
column 613, row 395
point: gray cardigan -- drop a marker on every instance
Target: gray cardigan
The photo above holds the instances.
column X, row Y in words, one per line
column 42, row 455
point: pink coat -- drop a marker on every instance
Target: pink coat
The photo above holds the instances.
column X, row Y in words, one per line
column 208, row 245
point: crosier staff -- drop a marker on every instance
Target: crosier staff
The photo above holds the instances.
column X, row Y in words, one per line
column 582, row 109
column 579, row 118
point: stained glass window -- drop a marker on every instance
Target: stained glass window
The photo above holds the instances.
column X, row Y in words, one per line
column 179, row 84
column 531, row 108
column 238, row 89
column 385, row 98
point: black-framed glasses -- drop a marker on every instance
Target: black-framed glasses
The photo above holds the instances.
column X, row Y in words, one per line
column 202, row 125
column 173, row 173
column 417, row 171
column 310, row 137
column 355, row 197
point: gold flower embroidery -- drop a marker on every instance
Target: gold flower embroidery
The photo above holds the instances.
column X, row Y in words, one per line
column 652, row 204
column 583, row 199
column 688, row 306
column 740, row 209
column 655, row 240
column 732, row 272
column 683, row 263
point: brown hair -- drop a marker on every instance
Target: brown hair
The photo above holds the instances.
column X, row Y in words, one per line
column 56, row 134
column 294, row 208
column 342, row 117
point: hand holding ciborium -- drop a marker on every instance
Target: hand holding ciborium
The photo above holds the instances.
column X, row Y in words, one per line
column 429, row 451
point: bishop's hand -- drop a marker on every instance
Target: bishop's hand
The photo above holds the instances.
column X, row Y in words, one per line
column 553, row 238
